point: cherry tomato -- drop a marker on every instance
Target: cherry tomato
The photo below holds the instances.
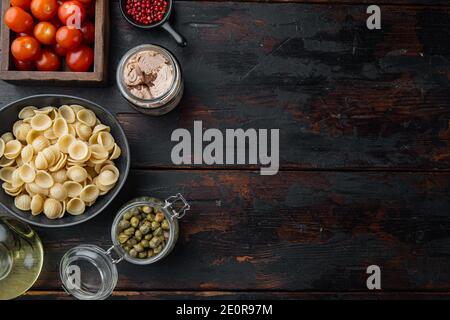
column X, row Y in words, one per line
column 18, row 20
column 80, row 59
column 69, row 37
column 25, row 48
column 44, row 10
column 60, row 51
column 72, row 13
column 48, row 61
column 45, row 32
column 24, row 4
column 88, row 30
column 24, row 65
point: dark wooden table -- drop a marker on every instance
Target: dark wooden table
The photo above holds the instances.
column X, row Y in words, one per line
column 364, row 150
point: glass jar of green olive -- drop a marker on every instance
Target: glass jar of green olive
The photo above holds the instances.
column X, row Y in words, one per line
column 144, row 231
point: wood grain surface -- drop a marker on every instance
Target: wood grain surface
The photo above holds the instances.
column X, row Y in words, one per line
column 364, row 153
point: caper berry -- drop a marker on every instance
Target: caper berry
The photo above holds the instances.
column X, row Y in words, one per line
column 165, row 224
column 124, row 224
column 155, row 225
column 131, row 242
column 142, row 255
column 133, row 253
column 134, row 222
column 159, row 217
column 158, row 249
column 154, row 242
column 144, row 229
column 151, row 217
column 138, row 235
column 138, row 247
column 148, row 237
column 144, row 243
column 130, row 231
column 123, row 237
column 147, row 209
column 158, row 232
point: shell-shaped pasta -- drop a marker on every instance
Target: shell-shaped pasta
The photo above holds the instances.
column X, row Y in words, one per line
column 87, row 117
column 12, row 149
column 73, row 188
column 76, row 207
column 27, row 112
column 107, row 178
column 7, row 136
column 79, row 151
column 33, row 188
column 60, row 127
column 89, row 193
column 16, row 179
column 52, row 208
column 2, row 147
column 16, row 127
column 27, row 153
column 49, row 155
column 23, row 202
column 44, row 110
column 60, row 176
column 98, row 152
column 84, row 132
column 19, row 161
column 58, row 192
column 22, row 132
column 106, row 140
column 76, row 108
column 27, row 173
column 77, row 174
column 116, row 153
column 65, row 141
column 72, row 130
column 6, row 162
column 40, row 143
column 11, row 190
column 41, row 122
column 101, row 127
column 60, row 164
column 6, row 174
column 50, row 134
column 40, row 162
column 44, row 179
column 32, row 134
column 37, row 204
column 67, row 113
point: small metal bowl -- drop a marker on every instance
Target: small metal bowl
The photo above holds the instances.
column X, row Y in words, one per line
column 164, row 23
column 9, row 115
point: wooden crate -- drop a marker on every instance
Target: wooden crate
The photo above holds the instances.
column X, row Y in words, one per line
column 96, row 77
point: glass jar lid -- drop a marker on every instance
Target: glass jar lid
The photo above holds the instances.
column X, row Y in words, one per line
column 88, row 272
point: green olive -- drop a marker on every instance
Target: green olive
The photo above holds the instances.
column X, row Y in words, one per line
column 130, row 231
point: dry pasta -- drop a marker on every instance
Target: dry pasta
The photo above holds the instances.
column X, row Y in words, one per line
column 58, row 160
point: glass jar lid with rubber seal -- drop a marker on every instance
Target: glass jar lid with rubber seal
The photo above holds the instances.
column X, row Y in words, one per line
column 144, row 231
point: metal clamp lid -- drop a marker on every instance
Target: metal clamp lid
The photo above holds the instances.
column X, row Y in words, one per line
column 169, row 202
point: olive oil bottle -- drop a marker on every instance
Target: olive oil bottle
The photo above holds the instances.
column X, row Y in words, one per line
column 21, row 258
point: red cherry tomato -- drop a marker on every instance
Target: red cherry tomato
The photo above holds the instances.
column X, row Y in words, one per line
column 72, row 13
column 88, row 30
column 18, row 20
column 44, row 10
column 24, row 4
column 80, row 59
column 48, row 61
column 60, row 51
column 24, row 65
column 45, row 32
column 69, row 37
column 25, row 48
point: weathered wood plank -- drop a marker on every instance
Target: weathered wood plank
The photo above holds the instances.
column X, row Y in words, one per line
column 229, row 295
column 297, row 231
column 343, row 96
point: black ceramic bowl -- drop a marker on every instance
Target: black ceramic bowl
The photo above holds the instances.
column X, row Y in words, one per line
column 9, row 115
